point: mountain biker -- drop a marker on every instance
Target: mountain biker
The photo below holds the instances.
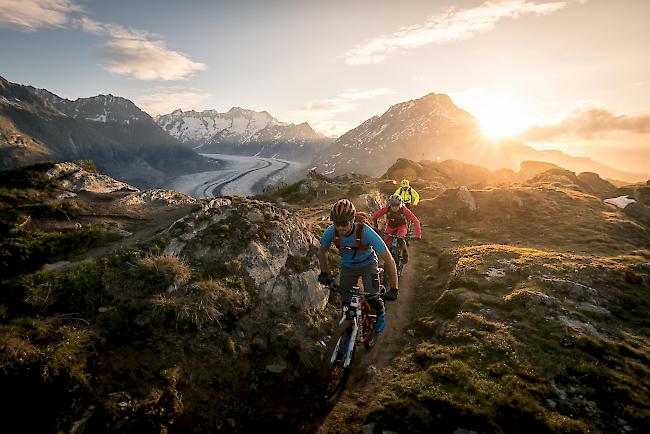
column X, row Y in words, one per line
column 397, row 215
column 408, row 193
column 359, row 246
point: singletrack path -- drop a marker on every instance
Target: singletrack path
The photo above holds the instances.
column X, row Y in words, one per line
column 372, row 369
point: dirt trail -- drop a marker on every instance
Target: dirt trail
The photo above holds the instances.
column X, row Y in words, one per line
column 162, row 219
column 371, row 369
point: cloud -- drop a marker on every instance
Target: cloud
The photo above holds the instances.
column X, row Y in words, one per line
column 138, row 53
column 147, row 60
column 342, row 102
column 132, row 52
column 320, row 114
column 31, row 15
column 589, row 124
column 116, row 31
column 165, row 100
column 451, row 25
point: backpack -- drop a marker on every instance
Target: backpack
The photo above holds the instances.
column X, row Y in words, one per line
column 395, row 221
column 358, row 233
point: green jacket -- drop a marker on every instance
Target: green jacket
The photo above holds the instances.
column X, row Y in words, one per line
column 409, row 195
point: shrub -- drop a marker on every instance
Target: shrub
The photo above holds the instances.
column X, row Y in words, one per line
column 202, row 304
column 161, row 273
column 28, row 177
column 24, row 252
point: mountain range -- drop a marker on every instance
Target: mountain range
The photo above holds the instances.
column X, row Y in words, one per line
column 243, row 132
column 125, row 142
column 434, row 128
column 121, row 139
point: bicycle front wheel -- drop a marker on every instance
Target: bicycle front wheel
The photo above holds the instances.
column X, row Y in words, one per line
column 398, row 260
column 334, row 375
column 371, row 335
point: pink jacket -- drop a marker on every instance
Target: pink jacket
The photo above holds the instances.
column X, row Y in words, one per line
column 407, row 212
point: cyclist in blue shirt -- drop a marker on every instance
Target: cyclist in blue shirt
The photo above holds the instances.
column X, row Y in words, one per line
column 359, row 247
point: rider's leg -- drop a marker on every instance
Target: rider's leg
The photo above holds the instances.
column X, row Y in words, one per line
column 371, row 287
column 347, row 280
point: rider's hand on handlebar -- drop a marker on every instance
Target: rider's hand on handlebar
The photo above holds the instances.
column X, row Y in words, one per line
column 392, row 294
column 324, row 278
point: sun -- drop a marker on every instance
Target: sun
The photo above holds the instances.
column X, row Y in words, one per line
column 500, row 112
column 501, row 120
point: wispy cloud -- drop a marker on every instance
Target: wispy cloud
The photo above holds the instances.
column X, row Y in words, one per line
column 132, row 52
column 165, row 100
column 31, row 15
column 451, row 25
column 589, row 124
column 319, row 114
column 116, row 31
column 147, row 60
column 343, row 102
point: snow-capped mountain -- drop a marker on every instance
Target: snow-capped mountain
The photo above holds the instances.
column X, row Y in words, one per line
column 124, row 141
column 243, row 132
column 434, row 128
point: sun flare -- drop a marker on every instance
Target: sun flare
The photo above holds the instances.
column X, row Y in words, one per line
column 499, row 112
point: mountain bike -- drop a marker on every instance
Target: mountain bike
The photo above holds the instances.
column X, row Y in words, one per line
column 395, row 251
column 356, row 326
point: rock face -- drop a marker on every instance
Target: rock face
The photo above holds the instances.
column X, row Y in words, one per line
column 271, row 248
column 243, row 132
column 158, row 196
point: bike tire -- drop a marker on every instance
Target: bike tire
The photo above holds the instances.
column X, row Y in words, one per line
column 398, row 260
column 335, row 377
column 372, row 338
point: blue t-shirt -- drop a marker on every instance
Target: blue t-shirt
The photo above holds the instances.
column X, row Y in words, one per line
column 362, row 258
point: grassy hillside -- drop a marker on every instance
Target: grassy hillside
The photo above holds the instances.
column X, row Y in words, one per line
column 532, row 316
column 531, row 312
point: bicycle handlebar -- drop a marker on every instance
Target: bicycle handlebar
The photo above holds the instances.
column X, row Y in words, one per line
column 401, row 237
column 337, row 288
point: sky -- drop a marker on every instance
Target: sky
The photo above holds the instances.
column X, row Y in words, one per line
column 558, row 74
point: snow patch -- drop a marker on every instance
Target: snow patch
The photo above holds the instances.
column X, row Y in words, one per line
column 621, row 201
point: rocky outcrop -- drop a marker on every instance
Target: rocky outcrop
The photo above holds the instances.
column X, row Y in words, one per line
column 158, row 197
column 270, row 248
column 466, row 197
column 74, row 177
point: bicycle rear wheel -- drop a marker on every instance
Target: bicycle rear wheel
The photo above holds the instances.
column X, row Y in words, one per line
column 334, row 375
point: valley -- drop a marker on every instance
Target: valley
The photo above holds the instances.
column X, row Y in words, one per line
column 242, row 175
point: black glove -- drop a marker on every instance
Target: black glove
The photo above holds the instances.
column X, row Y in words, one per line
column 392, row 294
column 324, row 278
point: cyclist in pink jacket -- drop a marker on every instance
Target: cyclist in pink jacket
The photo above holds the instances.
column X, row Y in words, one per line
column 396, row 215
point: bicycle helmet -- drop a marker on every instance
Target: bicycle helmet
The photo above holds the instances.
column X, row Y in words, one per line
column 342, row 211
column 395, row 200
column 405, row 183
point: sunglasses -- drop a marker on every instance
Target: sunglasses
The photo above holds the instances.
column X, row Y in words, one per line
column 342, row 224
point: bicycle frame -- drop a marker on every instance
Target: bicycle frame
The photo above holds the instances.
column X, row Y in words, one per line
column 359, row 312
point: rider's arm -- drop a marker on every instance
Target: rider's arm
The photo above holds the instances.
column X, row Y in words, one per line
column 325, row 243
column 322, row 259
column 416, row 196
column 390, row 267
column 409, row 215
column 378, row 214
